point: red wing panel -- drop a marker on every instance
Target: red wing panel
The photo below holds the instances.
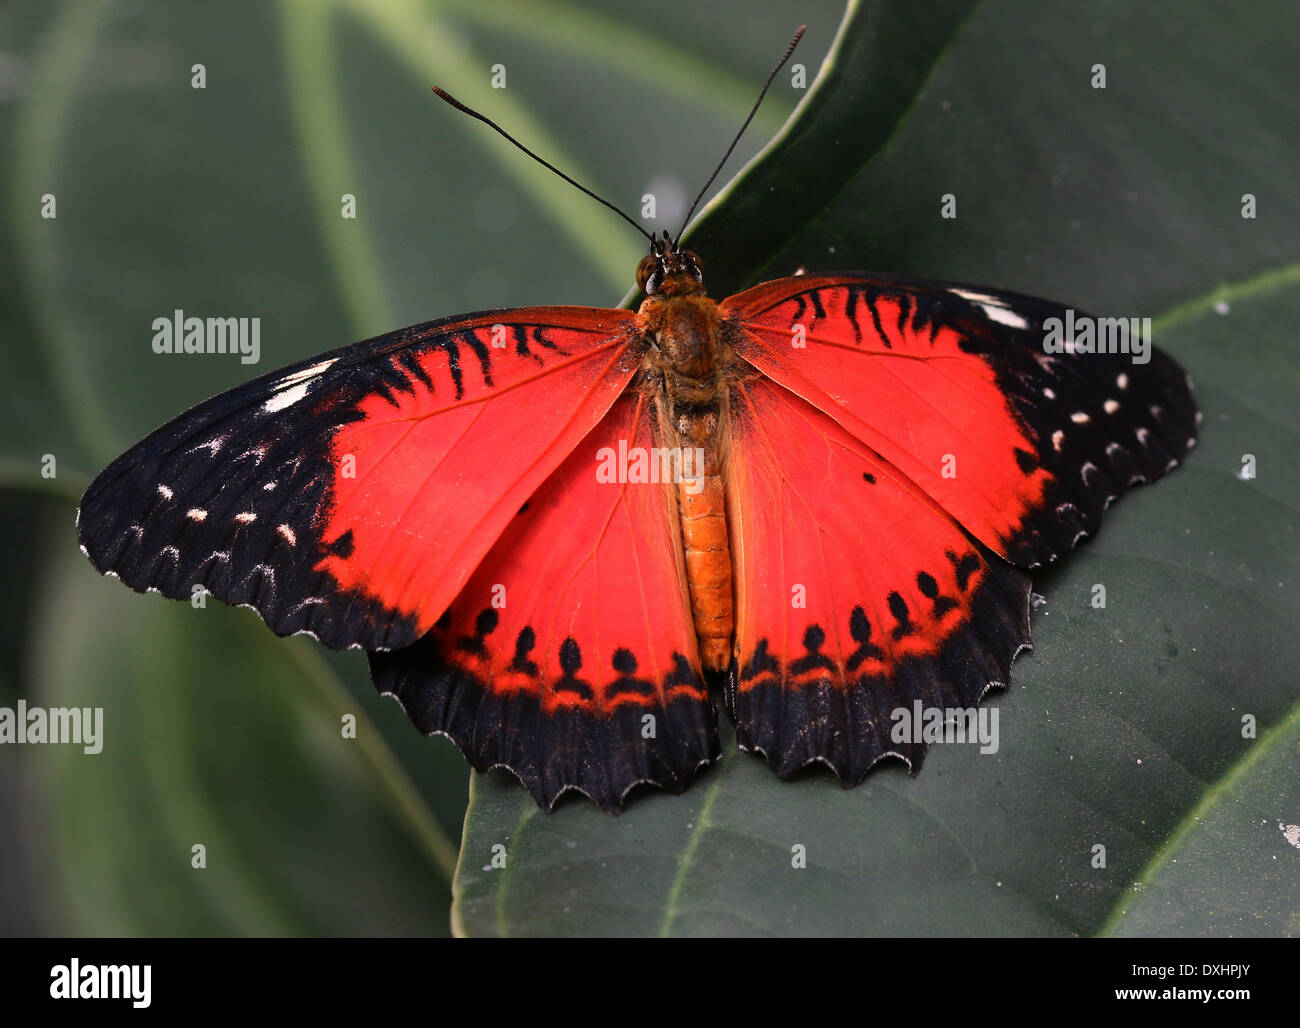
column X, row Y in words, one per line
column 856, row 593
column 953, row 387
column 352, row 495
column 570, row 656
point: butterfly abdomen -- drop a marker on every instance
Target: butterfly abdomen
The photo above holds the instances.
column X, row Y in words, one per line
column 703, row 508
column 687, row 374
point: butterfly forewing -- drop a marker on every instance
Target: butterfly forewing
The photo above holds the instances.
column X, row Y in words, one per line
column 352, row 495
column 953, row 386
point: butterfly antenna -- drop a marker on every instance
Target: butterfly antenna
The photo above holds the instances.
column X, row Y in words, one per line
column 779, row 65
column 545, row 164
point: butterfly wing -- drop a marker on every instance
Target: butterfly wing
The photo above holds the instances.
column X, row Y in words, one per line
column 351, row 495
column 570, row 655
column 952, row 386
column 885, row 461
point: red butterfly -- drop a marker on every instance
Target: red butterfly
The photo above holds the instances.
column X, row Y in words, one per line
column 551, row 527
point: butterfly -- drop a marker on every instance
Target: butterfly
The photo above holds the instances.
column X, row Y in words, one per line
column 554, row 528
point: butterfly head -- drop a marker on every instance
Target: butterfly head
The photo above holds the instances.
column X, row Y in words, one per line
column 667, row 271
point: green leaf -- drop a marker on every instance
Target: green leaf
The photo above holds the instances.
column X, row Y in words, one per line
column 246, row 758
column 1124, row 729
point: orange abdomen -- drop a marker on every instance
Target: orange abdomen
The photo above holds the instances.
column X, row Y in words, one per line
column 708, row 557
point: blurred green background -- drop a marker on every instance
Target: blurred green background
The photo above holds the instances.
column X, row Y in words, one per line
column 1122, row 728
column 225, row 200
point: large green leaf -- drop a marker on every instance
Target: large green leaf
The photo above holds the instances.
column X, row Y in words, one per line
column 1124, row 729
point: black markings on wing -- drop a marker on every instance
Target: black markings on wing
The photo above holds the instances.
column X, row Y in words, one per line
column 554, row 749
column 814, row 638
column 230, row 497
column 1100, row 422
column 539, row 338
column 525, row 643
column 796, row 716
column 860, row 630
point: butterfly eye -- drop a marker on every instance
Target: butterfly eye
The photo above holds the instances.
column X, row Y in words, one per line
column 647, row 267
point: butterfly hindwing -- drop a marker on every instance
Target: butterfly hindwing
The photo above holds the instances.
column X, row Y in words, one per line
column 857, row 594
column 953, row 386
column 351, row 495
column 569, row 657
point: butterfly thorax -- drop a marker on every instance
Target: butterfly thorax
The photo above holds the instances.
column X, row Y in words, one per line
column 686, row 370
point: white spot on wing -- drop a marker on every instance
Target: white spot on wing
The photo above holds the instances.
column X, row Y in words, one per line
column 164, row 492
column 246, row 517
column 284, row 399
column 1003, row 316
column 292, row 388
column 1058, row 437
column 1080, row 418
column 977, row 297
column 1112, row 406
column 196, row 514
column 287, row 534
column 1121, row 380
column 994, row 307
